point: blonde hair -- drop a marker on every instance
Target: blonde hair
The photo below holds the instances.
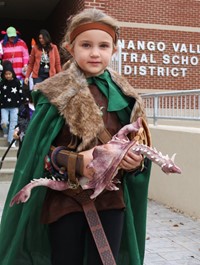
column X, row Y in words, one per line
column 88, row 16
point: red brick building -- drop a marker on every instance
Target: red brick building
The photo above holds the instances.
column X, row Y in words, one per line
column 160, row 39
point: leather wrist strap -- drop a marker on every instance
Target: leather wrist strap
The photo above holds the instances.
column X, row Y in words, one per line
column 60, row 158
column 71, row 169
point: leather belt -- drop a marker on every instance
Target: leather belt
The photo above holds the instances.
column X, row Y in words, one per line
column 93, row 219
column 96, row 228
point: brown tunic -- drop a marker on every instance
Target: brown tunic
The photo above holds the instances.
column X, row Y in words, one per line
column 58, row 204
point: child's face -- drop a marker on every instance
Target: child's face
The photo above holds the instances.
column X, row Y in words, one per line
column 92, row 51
column 8, row 75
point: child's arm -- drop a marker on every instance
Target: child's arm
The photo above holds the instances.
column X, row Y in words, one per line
column 77, row 162
column 20, row 91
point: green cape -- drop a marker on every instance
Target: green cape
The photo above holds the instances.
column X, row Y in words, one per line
column 23, row 239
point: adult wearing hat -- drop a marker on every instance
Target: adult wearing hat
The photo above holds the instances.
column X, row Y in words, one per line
column 15, row 50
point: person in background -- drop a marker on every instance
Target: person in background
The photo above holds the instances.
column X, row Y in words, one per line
column 44, row 60
column 15, row 50
column 24, row 116
column 11, row 97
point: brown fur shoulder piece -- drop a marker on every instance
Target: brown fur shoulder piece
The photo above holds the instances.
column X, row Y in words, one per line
column 69, row 92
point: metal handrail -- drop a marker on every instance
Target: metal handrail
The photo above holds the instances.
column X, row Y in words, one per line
column 176, row 92
column 180, row 105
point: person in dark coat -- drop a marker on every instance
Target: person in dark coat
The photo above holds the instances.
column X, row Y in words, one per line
column 11, row 97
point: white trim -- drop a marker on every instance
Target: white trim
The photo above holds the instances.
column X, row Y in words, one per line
column 158, row 26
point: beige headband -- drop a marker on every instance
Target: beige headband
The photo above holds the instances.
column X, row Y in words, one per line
column 93, row 25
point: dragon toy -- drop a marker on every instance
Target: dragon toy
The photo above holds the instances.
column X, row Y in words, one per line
column 105, row 164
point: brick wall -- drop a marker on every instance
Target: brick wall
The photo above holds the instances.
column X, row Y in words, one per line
column 170, row 12
column 180, row 66
column 100, row 4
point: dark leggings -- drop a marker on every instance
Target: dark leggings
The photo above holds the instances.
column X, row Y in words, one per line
column 68, row 236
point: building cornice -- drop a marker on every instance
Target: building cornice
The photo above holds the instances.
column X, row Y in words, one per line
column 158, row 27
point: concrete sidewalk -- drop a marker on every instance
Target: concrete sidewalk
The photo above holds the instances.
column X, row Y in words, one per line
column 172, row 238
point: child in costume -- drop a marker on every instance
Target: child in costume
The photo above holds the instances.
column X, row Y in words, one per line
column 73, row 108
column 11, row 97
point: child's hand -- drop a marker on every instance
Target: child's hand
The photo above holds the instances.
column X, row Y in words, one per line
column 131, row 161
column 15, row 134
column 87, row 158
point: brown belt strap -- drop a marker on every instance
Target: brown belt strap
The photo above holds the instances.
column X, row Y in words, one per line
column 96, row 228
column 104, row 136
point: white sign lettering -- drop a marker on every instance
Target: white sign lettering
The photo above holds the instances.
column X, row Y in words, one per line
column 157, row 58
